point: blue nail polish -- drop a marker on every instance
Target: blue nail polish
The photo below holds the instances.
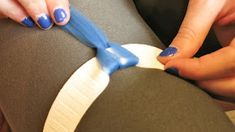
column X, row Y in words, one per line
column 170, row 51
column 44, row 21
column 28, row 21
column 60, row 15
column 173, row 71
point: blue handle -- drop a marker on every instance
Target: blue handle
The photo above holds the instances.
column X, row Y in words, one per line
column 112, row 57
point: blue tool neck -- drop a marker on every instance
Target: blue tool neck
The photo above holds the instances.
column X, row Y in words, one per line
column 111, row 57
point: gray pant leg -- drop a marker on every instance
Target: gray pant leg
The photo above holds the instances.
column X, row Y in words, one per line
column 35, row 64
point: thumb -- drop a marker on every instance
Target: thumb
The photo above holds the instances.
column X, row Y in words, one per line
column 215, row 65
column 198, row 20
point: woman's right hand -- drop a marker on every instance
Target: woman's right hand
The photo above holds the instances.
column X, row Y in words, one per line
column 215, row 72
column 42, row 12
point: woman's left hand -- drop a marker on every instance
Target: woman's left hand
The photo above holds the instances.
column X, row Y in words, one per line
column 43, row 13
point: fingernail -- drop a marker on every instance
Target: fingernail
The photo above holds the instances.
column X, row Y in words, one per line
column 60, row 15
column 170, row 51
column 28, row 21
column 173, row 71
column 45, row 21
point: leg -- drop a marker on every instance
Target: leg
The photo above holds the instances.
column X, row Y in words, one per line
column 35, row 65
column 148, row 100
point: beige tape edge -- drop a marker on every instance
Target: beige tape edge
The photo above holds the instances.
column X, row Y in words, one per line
column 85, row 85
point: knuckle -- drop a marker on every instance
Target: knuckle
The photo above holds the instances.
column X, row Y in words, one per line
column 188, row 34
column 202, row 84
column 199, row 69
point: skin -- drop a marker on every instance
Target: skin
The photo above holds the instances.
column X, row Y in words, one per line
column 215, row 72
column 17, row 10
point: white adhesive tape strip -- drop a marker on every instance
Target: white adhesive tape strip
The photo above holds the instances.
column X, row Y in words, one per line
column 147, row 55
column 85, row 85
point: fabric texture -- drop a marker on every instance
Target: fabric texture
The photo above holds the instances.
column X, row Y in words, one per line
column 35, row 64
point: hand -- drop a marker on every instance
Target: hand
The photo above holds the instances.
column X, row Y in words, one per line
column 214, row 72
column 43, row 12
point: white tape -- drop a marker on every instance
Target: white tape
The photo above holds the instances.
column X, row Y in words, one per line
column 85, row 85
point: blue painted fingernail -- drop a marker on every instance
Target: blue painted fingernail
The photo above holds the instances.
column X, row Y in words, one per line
column 28, row 21
column 60, row 15
column 45, row 21
column 170, row 51
column 173, row 71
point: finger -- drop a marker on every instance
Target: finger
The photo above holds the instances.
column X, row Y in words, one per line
column 229, row 19
column 227, row 15
column 59, row 11
column 225, row 34
column 218, row 64
column 225, row 105
column 222, row 86
column 13, row 10
column 2, row 16
column 37, row 9
column 198, row 20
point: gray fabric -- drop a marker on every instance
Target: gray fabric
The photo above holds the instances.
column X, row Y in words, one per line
column 141, row 100
column 35, row 64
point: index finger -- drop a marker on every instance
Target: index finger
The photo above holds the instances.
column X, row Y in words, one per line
column 218, row 64
column 198, row 20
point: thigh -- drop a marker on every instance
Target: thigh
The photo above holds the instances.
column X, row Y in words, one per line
column 35, row 64
column 138, row 100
